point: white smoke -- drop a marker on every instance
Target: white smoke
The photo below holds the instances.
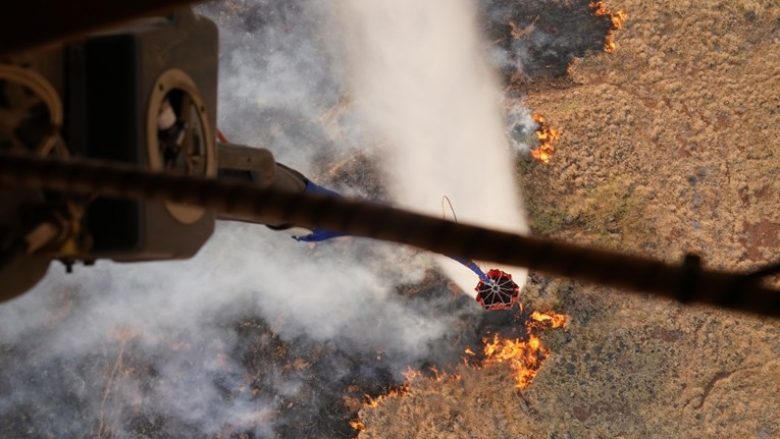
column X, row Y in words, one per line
column 91, row 353
column 94, row 352
column 521, row 129
column 176, row 316
column 421, row 76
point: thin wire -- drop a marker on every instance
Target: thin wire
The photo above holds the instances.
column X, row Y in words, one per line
column 452, row 209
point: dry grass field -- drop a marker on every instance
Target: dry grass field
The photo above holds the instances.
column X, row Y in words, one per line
column 669, row 145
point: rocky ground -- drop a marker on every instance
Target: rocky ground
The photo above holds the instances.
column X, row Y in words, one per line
column 669, row 145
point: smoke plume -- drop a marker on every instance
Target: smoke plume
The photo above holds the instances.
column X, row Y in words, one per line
column 258, row 334
column 421, row 76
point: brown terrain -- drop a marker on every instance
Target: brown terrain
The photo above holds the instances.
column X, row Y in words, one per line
column 668, row 145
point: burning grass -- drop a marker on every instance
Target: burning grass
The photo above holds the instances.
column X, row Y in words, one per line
column 547, row 137
column 617, row 20
column 538, row 39
column 524, row 357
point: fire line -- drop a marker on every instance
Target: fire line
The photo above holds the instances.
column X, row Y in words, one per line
column 547, row 137
column 617, row 20
column 523, row 357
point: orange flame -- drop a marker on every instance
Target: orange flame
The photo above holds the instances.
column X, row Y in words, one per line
column 617, row 20
column 599, row 8
column 357, row 425
column 411, row 375
column 547, row 137
column 401, row 390
column 524, row 358
column 554, row 319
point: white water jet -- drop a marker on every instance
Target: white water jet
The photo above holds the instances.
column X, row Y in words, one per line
column 419, row 73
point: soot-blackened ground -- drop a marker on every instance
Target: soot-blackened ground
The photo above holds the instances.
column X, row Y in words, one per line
column 539, row 38
column 333, row 381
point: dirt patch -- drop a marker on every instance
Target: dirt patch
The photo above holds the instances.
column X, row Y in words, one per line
column 760, row 237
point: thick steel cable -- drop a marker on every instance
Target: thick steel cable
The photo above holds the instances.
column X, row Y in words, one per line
column 688, row 282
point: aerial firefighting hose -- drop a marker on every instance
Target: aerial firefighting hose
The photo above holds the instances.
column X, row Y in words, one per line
column 687, row 283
